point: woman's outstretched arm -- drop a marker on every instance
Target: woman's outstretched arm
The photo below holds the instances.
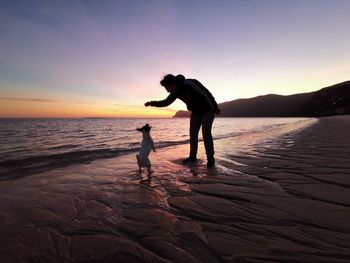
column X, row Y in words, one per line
column 162, row 103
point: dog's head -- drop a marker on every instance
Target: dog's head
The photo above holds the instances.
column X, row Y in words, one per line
column 145, row 128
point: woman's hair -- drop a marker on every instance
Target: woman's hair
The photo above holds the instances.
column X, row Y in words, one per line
column 170, row 79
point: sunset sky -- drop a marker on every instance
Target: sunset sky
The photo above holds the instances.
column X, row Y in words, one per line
column 106, row 58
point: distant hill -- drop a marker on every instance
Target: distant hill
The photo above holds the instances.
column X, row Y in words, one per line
column 332, row 100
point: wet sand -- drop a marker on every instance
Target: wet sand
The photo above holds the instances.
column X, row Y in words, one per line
column 271, row 199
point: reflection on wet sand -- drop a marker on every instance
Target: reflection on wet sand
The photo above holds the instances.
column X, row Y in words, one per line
column 268, row 200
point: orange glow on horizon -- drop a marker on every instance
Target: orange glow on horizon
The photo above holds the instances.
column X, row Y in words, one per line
column 31, row 109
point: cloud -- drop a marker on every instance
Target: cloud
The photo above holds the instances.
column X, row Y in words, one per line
column 29, row 99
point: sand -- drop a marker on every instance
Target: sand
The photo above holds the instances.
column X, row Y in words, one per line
column 271, row 199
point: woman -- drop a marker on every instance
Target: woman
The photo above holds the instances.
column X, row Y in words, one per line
column 203, row 108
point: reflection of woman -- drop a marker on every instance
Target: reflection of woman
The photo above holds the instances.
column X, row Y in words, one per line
column 202, row 105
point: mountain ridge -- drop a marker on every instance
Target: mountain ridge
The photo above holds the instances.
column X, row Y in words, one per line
column 328, row 101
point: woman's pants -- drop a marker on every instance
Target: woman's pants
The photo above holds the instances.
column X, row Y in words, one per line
column 206, row 121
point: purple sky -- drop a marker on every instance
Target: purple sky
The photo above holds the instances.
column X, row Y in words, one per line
column 108, row 55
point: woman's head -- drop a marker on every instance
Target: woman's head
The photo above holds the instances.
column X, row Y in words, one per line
column 171, row 83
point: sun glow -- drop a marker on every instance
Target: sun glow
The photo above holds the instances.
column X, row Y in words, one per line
column 42, row 109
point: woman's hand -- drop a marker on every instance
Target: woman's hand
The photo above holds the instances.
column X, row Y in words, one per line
column 217, row 111
column 148, row 104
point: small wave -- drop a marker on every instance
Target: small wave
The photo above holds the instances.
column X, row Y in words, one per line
column 170, row 143
column 7, row 134
column 85, row 136
column 79, row 136
column 14, row 168
column 131, row 130
column 62, row 147
column 20, row 167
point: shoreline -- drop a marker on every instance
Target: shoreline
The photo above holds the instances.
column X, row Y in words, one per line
column 30, row 165
column 278, row 200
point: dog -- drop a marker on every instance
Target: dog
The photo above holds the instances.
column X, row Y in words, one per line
column 147, row 145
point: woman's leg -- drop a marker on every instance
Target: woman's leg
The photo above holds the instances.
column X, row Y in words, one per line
column 195, row 125
column 207, row 123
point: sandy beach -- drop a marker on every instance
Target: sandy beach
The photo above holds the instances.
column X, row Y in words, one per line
column 281, row 197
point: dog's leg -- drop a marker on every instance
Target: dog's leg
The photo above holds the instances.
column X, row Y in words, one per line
column 138, row 163
column 149, row 172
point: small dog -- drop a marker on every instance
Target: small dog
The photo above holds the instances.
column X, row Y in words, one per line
column 146, row 146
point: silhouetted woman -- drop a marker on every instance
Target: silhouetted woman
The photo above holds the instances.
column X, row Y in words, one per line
column 203, row 108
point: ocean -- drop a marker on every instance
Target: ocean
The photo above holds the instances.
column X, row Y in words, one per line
column 33, row 145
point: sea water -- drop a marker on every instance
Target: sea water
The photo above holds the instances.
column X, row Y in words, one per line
column 34, row 143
